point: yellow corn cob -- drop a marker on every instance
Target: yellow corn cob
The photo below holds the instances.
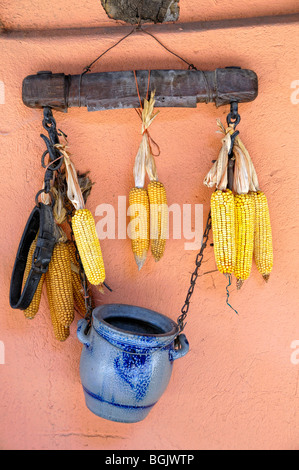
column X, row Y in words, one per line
column 88, row 246
column 60, row 276
column 245, row 217
column 61, row 332
column 140, row 214
column 223, row 225
column 263, row 248
column 32, row 310
column 158, row 218
column 76, row 280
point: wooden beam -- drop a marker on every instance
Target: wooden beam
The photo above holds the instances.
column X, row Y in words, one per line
column 115, row 90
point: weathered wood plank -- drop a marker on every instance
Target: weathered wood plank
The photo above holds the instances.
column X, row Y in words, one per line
column 116, row 90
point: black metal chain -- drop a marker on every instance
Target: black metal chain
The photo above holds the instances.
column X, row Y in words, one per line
column 54, row 154
column 199, row 258
column 233, row 119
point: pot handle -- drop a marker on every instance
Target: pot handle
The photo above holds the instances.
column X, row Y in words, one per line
column 184, row 348
column 82, row 337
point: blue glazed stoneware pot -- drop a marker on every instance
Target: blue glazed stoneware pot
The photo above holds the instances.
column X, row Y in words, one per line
column 126, row 361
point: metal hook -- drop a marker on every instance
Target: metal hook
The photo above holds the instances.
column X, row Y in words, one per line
column 53, row 154
column 233, row 138
column 46, row 192
column 233, row 118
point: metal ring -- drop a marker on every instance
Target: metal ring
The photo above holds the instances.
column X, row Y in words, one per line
column 236, row 121
column 52, row 166
column 41, row 192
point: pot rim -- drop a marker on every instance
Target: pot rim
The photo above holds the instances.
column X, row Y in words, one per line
column 101, row 313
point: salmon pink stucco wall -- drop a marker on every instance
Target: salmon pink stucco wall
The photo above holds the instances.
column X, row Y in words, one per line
column 238, row 387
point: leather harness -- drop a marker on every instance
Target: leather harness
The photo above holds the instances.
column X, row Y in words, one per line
column 41, row 222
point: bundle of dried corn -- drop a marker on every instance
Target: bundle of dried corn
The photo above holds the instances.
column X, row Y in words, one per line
column 139, row 208
column 148, row 208
column 246, row 183
column 83, row 225
column 67, row 195
column 252, row 236
column 222, row 210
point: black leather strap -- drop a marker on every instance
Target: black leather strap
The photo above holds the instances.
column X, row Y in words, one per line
column 41, row 220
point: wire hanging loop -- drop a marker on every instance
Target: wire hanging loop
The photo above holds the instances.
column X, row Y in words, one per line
column 137, row 28
column 89, row 67
column 190, row 66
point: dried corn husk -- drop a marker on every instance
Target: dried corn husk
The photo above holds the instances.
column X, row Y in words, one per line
column 59, row 211
column 60, row 234
column 144, row 161
column 139, row 166
column 74, row 192
column 85, row 184
column 245, row 177
column 45, row 197
column 218, row 173
column 253, row 179
column 242, row 172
